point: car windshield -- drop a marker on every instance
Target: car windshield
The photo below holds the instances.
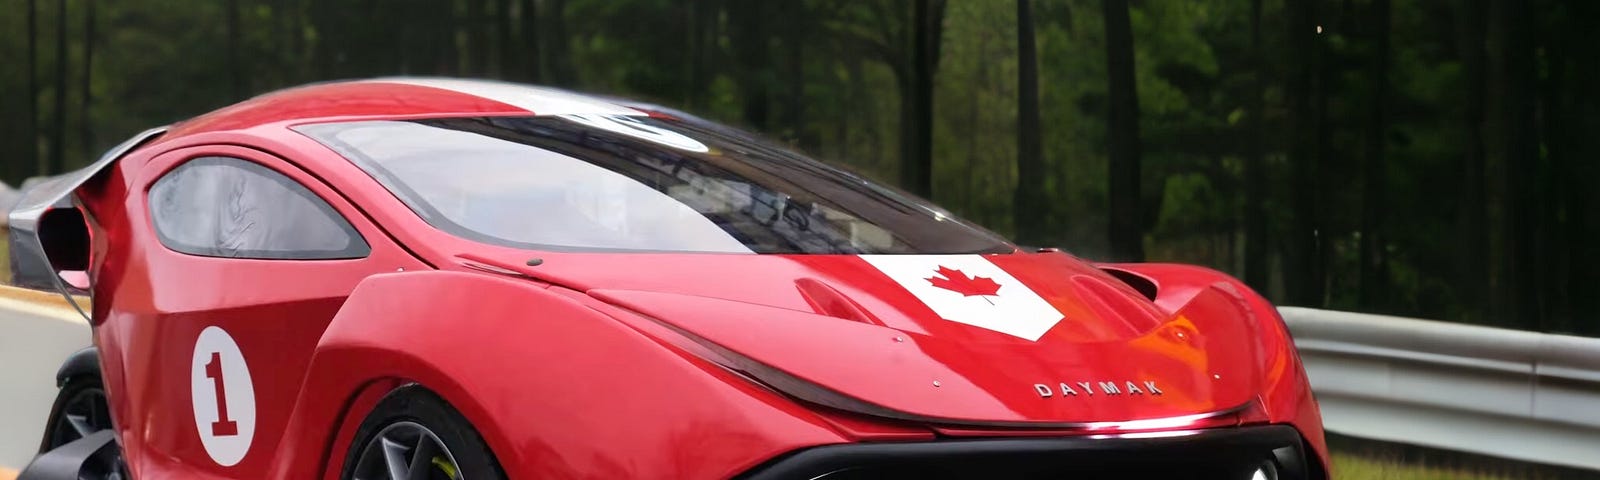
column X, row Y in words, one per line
column 588, row 182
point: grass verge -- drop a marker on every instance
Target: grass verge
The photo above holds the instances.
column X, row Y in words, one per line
column 1354, row 466
column 1364, row 459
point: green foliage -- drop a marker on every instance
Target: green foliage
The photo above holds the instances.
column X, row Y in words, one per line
column 826, row 76
column 1356, row 467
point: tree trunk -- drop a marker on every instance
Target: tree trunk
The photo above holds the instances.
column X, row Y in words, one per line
column 1577, row 168
column 1323, row 164
column 556, row 46
column 692, row 51
column 58, row 139
column 235, row 60
column 297, row 40
column 916, row 102
column 506, row 62
column 477, row 38
column 1553, row 174
column 1472, row 225
column 1255, row 178
column 970, row 195
column 1514, row 152
column 1028, row 202
column 529, row 35
column 401, row 56
column 86, row 97
column 1374, row 277
column 30, row 145
column 431, row 46
column 796, row 33
column 279, row 43
column 748, row 39
column 702, row 38
column 1126, row 230
column 1302, row 275
column 848, row 108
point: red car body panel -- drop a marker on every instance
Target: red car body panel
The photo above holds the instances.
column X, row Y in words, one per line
column 600, row 365
column 626, row 382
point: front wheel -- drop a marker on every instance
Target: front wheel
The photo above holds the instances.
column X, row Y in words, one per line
column 413, row 434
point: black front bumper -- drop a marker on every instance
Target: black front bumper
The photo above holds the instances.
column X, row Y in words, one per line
column 1234, row 453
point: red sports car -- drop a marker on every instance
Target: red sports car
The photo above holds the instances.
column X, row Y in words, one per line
column 415, row 278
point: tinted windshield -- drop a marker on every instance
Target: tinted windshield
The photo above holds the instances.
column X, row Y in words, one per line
column 612, row 182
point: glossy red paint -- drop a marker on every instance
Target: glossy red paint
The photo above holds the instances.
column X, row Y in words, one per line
column 625, row 365
column 156, row 301
column 1285, row 393
column 528, row 395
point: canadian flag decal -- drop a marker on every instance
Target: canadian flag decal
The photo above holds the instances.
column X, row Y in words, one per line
column 955, row 281
column 972, row 290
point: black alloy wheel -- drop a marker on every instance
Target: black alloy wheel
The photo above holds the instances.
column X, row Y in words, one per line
column 81, row 409
column 406, row 451
column 412, row 434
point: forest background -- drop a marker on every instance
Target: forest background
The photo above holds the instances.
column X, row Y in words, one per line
column 1425, row 158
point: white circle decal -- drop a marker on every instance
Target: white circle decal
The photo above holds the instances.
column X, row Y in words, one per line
column 224, row 399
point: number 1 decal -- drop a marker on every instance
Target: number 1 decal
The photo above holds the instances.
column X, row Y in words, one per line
column 222, row 427
column 223, row 397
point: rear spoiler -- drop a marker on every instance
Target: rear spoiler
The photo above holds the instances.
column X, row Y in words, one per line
column 31, row 266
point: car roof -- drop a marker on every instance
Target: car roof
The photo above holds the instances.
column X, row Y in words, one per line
column 403, row 97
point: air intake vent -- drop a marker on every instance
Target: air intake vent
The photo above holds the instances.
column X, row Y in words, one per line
column 1139, row 283
column 826, row 301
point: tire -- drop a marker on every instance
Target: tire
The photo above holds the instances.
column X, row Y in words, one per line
column 407, row 419
column 80, row 409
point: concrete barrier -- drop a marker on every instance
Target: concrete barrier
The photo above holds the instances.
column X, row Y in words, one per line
column 37, row 332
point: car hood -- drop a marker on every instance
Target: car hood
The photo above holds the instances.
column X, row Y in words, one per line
column 996, row 340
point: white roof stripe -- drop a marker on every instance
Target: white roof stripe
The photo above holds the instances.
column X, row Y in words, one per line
column 539, row 100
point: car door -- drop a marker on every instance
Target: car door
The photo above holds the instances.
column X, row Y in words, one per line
column 237, row 262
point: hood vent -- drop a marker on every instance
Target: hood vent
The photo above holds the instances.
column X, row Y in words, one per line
column 1116, row 307
column 825, row 300
column 1139, row 283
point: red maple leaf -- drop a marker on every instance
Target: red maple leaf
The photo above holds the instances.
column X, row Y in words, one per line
column 958, row 281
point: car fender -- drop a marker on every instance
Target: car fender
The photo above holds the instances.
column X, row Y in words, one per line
column 82, row 363
column 556, row 389
column 1286, row 394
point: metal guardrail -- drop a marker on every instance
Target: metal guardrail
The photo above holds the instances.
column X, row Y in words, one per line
column 1506, row 393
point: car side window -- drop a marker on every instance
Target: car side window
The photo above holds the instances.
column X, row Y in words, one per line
column 227, row 207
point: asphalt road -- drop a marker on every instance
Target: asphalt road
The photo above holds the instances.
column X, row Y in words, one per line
column 37, row 332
